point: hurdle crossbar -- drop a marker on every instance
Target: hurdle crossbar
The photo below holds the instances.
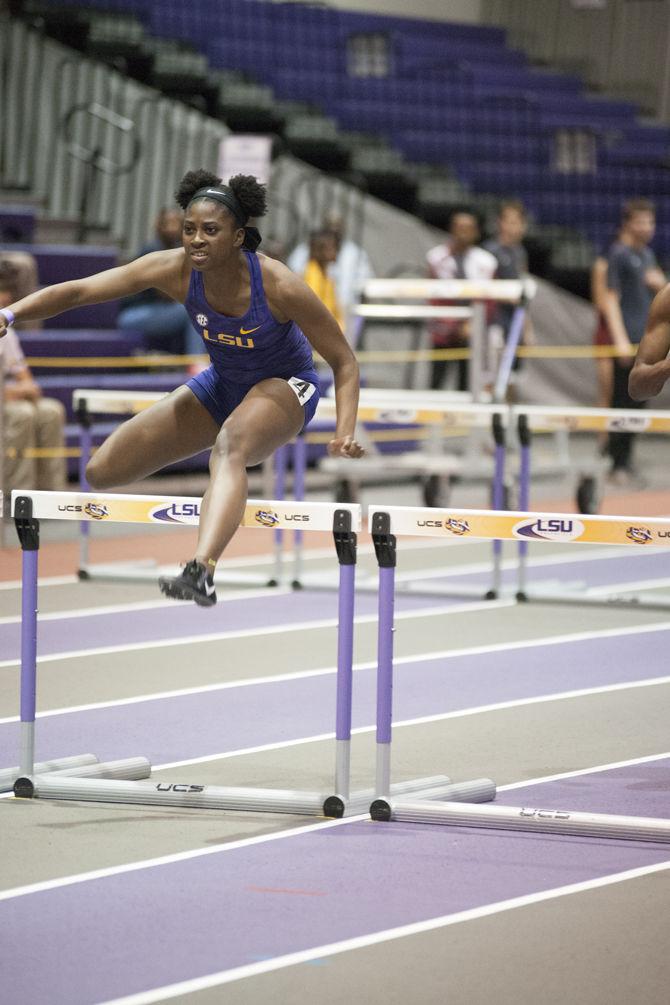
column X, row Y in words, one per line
column 504, row 290
column 385, row 523
column 344, row 521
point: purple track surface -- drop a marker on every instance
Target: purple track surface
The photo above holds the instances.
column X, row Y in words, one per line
column 174, row 621
column 266, row 900
column 162, row 624
column 213, row 722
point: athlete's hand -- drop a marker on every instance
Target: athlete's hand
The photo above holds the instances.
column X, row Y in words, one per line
column 3, row 325
column 345, row 446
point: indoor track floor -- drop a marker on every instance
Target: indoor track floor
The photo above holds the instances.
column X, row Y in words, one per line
column 564, row 706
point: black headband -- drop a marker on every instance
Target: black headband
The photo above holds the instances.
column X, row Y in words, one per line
column 226, row 196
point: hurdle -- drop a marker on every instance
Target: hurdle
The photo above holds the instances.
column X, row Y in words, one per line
column 547, row 418
column 511, row 291
column 28, row 508
column 388, row 522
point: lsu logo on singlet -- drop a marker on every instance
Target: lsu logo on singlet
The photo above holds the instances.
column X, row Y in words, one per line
column 223, row 339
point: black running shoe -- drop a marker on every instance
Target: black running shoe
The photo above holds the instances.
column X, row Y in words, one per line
column 193, row 583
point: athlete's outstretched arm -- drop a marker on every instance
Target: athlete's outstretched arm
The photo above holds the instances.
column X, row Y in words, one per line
column 291, row 298
column 652, row 366
column 160, row 269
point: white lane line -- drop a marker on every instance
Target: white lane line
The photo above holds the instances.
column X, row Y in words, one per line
column 443, row 654
column 627, row 587
column 460, row 713
column 375, row 938
column 585, row 771
column 15, row 584
column 300, row 626
column 146, row 605
column 115, row 870
column 180, row 856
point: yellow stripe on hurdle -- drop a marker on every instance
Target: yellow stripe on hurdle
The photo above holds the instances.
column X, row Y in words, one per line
column 565, row 528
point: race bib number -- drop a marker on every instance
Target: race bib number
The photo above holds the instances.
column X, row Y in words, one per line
column 302, row 388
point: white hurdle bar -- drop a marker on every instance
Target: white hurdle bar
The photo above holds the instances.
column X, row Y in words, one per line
column 385, row 523
column 28, row 508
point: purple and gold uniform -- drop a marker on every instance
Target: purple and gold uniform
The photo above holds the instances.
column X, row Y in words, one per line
column 245, row 350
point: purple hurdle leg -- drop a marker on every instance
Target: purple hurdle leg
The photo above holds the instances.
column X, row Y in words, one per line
column 524, row 502
column 279, row 492
column 509, row 353
column 498, row 501
column 85, row 449
column 345, row 544
column 385, row 548
column 28, row 530
column 299, row 467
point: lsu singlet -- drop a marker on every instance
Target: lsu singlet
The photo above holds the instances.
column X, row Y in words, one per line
column 245, row 350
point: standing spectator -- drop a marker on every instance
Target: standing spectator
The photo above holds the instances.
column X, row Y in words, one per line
column 633, row 277
column 322, row 253
column 510, row 254
column 459, row 258
column 163, row 322
column 350, row 270
column 30, row 420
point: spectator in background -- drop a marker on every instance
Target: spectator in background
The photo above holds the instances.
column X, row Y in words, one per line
column 29, row 419
column 323, row 247
column 350, row 270
column 510, row 254
column 164, row 324
column 601, row 336
column 459, row 257
column 633, row 278
column 26, row 278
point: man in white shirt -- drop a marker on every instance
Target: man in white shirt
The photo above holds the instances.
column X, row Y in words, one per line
column 30, row 420
column 458, row 258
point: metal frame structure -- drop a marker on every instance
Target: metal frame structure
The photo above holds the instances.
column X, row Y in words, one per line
column 28, row 508
column 385, row 523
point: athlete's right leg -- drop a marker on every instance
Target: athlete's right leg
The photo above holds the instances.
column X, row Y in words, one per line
column 176, row 427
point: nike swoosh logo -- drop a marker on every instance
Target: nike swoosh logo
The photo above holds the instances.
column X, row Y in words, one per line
column 248, row 331
column 209, row 589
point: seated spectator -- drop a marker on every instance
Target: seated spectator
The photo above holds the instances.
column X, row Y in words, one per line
column 163, row 322
column 349, row 271
column 29, row 419
column 25, row 270
column 459, row 257
column 322, row 253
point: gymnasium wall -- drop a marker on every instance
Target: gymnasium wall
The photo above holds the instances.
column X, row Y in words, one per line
column 622, row 49
column 439, row 10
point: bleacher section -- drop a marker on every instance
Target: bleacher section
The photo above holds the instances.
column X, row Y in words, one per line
column 450, row 95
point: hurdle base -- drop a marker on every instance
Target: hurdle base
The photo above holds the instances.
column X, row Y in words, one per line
column 120, row 788
column 659, row 602
column 126, row 769
column 517, row 818
column 480, row 790
column 338, row 806
column 9, row 775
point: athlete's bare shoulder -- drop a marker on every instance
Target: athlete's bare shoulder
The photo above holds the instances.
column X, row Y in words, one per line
column 169, row 271
column 282, row 287
column 274, row 272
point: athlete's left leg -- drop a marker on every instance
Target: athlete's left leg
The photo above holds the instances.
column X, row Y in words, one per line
column 269, row 416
